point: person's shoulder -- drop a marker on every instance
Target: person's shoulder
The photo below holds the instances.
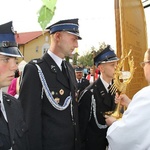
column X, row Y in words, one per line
column 142, row 94
column 89, row 89
column 31, row 66
column 145, row 90
column 14, row 105
column 86, row 93
column 92, row 88
column 36, row 61
column 10, row 98
column 85, row 81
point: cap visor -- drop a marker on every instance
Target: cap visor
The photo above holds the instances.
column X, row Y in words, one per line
column 111, row 60
column 76, row 34
column 11, row 51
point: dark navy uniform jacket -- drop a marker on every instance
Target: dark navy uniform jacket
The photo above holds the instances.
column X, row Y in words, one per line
column 14, row 132
column 49, row 128
column 92, row 137
column 82, row 85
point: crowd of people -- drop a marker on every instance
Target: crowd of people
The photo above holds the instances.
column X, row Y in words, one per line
column 59, row 107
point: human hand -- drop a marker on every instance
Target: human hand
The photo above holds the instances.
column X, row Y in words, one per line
column 109, row 120
column 123, row 99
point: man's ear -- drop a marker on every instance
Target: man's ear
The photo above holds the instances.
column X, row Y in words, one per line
column 100, row 68
column 57, row 35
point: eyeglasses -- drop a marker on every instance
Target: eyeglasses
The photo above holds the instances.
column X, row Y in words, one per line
column 142, row 64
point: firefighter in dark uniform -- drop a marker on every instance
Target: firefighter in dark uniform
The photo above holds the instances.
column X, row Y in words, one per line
column 82, row 83
column 95, row 100
column 13, row 130
column 47, row 92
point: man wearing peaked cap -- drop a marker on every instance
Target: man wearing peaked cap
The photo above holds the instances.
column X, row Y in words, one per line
column 71, row 26
column 8, row 45
column 95, row 100
column 51, row 110
column 106, row 56
column 82, row 83
column 12, row 124
column 78, row 69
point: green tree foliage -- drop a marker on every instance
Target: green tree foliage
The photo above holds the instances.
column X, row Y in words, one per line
column 46, row 13
column 102, row 46
column 75, row 58
column 88, row 58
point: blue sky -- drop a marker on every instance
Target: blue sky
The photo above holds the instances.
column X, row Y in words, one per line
column 96, row 18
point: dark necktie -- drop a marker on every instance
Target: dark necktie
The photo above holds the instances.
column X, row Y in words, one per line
column 79, row 81
column 109, row 89
column 64, row 69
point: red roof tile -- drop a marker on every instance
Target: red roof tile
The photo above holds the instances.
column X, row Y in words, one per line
column 25, row 37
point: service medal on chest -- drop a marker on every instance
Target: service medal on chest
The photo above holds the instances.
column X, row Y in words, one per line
column 61, row 92
column 57, row 100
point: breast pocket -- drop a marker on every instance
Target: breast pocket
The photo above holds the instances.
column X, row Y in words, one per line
column 21, row 129
column 20, row 140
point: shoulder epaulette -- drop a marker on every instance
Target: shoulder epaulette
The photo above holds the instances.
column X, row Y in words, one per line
column 8, row 96
column 36, row 61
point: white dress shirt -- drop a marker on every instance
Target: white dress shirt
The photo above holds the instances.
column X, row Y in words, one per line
column 2, row 106
column 106, row 85
column 57, row 59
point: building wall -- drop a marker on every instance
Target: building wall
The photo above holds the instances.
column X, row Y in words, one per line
column 35, row 48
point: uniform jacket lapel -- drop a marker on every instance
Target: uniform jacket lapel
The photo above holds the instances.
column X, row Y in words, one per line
column 55, row 69
column 103, row 93
column 72, row 78
column 10, row 115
